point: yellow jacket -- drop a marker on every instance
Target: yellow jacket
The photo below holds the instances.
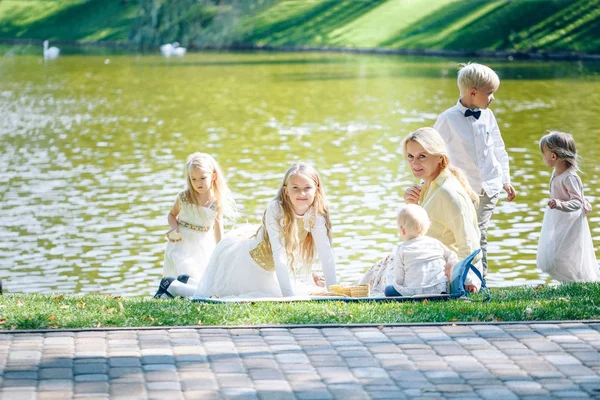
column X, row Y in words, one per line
column 452, row 214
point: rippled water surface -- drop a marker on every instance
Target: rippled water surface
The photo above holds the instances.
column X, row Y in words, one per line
column 91, row 153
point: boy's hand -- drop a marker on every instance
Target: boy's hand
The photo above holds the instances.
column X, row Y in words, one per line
column 510, row 191
column 412, row 195
column 552, row 203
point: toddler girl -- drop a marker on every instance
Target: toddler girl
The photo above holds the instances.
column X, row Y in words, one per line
column 196, row 219
column 565, row 249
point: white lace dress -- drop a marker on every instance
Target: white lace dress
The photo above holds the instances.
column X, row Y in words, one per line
column 191, row 254
column 565, row 248
column 245, row 264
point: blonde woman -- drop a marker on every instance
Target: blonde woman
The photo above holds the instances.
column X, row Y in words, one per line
column 446, row 196
column 277, row 260
column 448, row 200
column 196, row 218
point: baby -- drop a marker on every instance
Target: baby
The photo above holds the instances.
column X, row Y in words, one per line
column 420, row 262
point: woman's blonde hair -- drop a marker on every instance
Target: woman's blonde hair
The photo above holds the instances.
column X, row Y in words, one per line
column 563, row 145
column 413, row 219
column 221, row 194
column 434, row 144
column 292, row 244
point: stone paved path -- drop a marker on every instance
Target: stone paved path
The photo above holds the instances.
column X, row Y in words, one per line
column 495, row 362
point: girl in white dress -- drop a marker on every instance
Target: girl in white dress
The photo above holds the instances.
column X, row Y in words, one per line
column 196, row 219
column 275, row 260
column 565, row 249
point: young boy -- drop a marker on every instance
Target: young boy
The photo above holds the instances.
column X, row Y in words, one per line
column 420, row 261
column 474, row 142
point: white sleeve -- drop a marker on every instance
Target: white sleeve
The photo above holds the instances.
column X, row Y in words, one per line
column 324, row 250
column 274, row 229
column 500, row 151
column 398, row 267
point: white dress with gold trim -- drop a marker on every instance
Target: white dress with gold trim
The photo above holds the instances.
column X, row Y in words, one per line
column 191, row 254
column 247, row 263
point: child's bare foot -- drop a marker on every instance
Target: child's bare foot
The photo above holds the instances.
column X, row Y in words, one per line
column 471, row 288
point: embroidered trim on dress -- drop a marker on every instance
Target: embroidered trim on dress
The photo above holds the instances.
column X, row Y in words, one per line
column 194, row 227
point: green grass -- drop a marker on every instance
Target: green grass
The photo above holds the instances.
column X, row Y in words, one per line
column 521, row 25
column 69, row 20
column 542, row 303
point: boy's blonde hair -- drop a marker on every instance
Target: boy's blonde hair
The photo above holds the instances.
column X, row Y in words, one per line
column 220, row 191
column 306, row 248
column 563, row 145
column 434, row 144
column 413, row 219
column 478, row 76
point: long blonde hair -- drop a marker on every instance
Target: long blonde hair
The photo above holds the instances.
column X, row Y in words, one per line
column 292, row 243
column 434, row 144
column 221, row 194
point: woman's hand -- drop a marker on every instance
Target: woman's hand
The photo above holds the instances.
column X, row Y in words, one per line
column 552, row 203
column 318, row 279
column 412, row 195
column 448, row 269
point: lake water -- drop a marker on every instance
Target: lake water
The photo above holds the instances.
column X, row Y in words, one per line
column 92, row 151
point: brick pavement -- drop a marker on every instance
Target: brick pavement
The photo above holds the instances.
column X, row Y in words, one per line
column 502, row 361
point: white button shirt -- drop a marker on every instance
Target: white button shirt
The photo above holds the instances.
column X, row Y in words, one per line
column 476, row 147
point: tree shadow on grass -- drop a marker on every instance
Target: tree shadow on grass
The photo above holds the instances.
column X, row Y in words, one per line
column 318, row 21
column 103, row 20
column 495, row 29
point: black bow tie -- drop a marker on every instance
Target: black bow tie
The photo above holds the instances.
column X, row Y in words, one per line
column 475, row 114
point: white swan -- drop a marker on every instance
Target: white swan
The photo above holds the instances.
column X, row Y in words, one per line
column 167, row 50
column 173, row 49
column 50, row 53
column 177, row 50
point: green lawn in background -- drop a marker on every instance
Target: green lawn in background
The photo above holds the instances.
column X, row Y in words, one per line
column 524, row 25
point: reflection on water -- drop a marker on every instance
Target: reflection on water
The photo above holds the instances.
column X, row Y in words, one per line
column 91, row 153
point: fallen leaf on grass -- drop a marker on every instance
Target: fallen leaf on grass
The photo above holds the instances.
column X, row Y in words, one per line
column 81, row 304
column 52, row 318
column 539, row 287
column 3, row 321
column 121, row 307
column 110, row 310
column 19, row 303
column 453, row 320
column 199, row 322
column 64, row 306
column 330, row 313
column 99, row 325
column 53, row 326
column 59, row 298
column 425, row 301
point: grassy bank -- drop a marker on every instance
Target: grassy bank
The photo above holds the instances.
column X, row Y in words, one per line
column 542, row 303
column 517, row 25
